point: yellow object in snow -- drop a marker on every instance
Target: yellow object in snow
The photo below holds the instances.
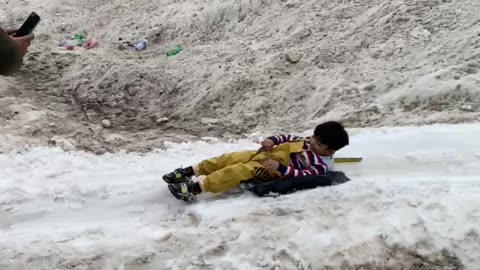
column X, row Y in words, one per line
column 347, row 159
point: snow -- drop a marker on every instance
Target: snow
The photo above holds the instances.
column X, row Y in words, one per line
column 417, row 188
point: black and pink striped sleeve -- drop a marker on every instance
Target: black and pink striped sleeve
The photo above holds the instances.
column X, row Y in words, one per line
column 317, row 167
column 283, row 138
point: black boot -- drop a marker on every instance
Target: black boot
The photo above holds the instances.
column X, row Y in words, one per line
column 180, row 175
column 185, row 191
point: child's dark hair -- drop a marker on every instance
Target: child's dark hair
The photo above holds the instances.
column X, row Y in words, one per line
column 333, row 134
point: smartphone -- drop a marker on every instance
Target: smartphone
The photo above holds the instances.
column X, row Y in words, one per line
column 28, row 26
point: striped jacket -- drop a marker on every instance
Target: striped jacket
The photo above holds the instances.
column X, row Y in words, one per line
column 304, row 163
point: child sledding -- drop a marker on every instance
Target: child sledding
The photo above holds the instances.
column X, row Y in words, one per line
column 280, row 157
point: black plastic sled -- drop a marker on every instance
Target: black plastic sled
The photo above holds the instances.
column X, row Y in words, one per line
column 286, row 186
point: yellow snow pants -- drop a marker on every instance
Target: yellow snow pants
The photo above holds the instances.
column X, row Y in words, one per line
column 228, row 170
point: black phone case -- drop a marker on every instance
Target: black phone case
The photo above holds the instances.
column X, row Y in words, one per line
column 28, row 26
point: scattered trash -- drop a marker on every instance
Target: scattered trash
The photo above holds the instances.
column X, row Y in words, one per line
column 141, row 45
column 79, row 40
column 67, row 43
column 91, row 43
column 175, row 50
column 138, row 46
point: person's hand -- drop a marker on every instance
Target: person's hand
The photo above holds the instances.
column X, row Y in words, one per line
column 271, row 164
column 13, row 50
column 11, row 32
column 267, row 145
column 23, row 43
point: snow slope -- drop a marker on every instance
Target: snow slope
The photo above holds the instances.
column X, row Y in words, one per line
column 412, row 201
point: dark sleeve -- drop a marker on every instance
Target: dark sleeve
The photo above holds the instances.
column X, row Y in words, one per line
column 11, row 59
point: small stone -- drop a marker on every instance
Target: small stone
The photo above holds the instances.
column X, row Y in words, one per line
column 65, row 144
column 106, row 123
column 293, row 57
column 210, row 139
column 467, row 108
column 163, row 120
column 52, row 125
column 115, row 139
column 369, row 87
column 209, row 121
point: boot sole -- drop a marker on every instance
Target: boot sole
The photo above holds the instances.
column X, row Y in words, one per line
column 187, row 198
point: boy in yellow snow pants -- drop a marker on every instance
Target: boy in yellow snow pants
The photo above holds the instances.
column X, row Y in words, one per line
column 281, row 156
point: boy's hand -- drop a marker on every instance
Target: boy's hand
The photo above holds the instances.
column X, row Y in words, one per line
column 267, row 145
column 271, row 164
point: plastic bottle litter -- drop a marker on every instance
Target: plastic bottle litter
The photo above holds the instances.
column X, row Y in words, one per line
column 80, row 39
column 141, row 45
column 91, row 43
column 175, row 50
column 66, row 43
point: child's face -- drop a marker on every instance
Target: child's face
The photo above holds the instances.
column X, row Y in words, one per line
column 319, row 148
